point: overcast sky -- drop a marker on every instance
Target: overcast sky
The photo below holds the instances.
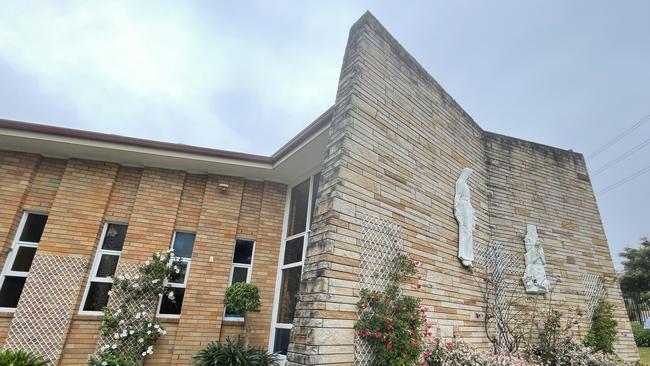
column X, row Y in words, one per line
column 248, row 76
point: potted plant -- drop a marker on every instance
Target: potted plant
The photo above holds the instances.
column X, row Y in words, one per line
column 243, row 298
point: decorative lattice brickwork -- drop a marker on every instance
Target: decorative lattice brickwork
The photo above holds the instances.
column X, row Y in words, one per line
column 381, row 240
column 502, row 269
column 594, row 291
column 46, row 306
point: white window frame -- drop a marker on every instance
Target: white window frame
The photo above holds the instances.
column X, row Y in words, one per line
column 92, row 276
column 11, row 256
column 281, row 266
column 248, row 274
column 183, row 285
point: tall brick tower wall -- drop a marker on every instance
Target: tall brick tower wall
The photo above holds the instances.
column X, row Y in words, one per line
column 398, row 143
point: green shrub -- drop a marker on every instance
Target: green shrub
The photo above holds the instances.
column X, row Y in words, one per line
column 20, row 358
column 602, row 334
column 641, row 336
column 242, row 298
column 234, row 354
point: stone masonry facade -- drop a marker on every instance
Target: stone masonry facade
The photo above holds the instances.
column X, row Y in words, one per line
column 397, row 145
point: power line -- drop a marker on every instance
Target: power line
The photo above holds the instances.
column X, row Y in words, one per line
column 619, row 137
column 622, row 157
column 624, row 181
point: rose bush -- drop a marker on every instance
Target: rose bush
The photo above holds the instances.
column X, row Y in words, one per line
column 130, row 326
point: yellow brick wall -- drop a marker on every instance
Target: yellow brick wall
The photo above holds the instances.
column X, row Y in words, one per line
column 154, row 202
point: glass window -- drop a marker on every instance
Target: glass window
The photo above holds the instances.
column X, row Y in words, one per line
column 20, row 258
column 289, row 294
column 10, row 292
column 114, row 238
column 172, row 307
column 240, row 270
column 243, row 252
column 293, row 250
column 281, row 344
column 100, row 280
column 183, row 245
column 314, row 195
column 23, row 259
column 298, row 209
column 97, row 296
column 33, row 228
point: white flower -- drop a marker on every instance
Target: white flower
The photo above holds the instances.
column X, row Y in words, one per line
column 144, row 354
column 170, row 295
column 149, row 325
column 147, row 263
column 156, row 326
column 148, row 332
column 141, row 340
column 104, row 363
column 164, row 332
column 116, row 336
column 110, row 292
column 114, row 346
column 137, row 315
column 155, row 281
column 150, row 349
column 131, row 332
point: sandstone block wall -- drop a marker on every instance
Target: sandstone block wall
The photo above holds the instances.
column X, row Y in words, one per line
column 79, row 196
column 397, row 145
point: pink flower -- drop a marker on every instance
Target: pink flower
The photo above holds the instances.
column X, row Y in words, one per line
column 389, row 345
column 387, row 312
column 411, row 332
column 395, row 307
column 450, row 346
column 367, row 333
column 359, row 333
column 377, row 334
column 427, row 353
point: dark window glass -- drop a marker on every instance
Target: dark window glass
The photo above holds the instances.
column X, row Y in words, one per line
column 114, row 238
column 107, row 265
column 288, row 294
column 243, row 252
column 172, row 307
column 314, row 194
column 10, row 292
column 33, row 229
column 281, row 342
column 97, row 296
column 298, row 208
column 180, row 276
column 184, row 244
column 239, row 275
column 23, row 259
column 293, row 250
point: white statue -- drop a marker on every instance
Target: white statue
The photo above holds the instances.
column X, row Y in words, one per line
column 464, row 213
column 535, row 276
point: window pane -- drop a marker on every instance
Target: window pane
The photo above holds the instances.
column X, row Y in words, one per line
column 170, row 307
column 33, row 228
column 243, row 252
column 293, row 250
column 107, row 265
column 184, row 244
column 298, row 208
column 114, row 238
column 239, row 275
column 10, row 292
column 97, row 296
column 23, row 259
column 180, row 276
column 314, row 195
column 281, row 342
column 288, row 293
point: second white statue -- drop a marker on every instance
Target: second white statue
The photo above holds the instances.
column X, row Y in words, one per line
column 535, row 276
